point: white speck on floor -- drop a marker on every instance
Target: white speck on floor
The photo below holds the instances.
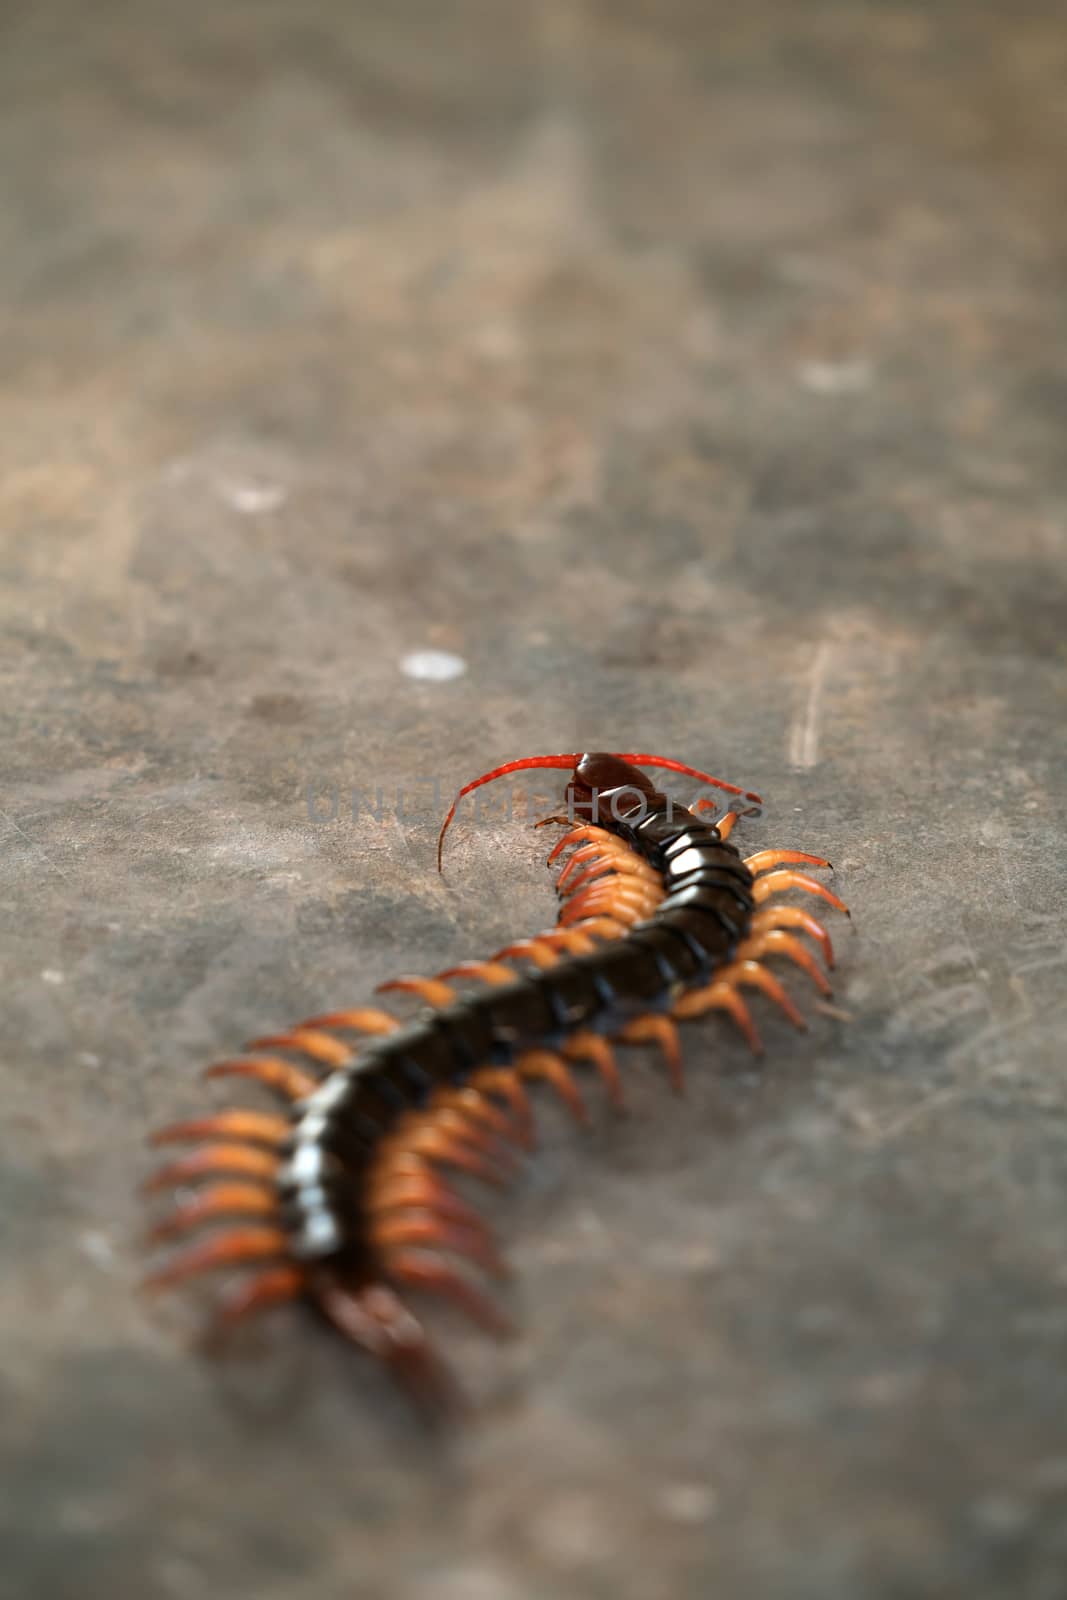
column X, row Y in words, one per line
column 52, row 975
column 687, row 1502
column 835, row 377
column 253, row 499
column 98, row 1247
column 433, row 666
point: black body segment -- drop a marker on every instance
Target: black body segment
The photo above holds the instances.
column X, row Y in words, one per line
column 705, row 913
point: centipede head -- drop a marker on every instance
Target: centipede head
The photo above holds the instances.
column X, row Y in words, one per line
column 601, row 783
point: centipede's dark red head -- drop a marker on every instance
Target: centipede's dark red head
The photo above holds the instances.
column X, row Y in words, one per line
column 597, row 778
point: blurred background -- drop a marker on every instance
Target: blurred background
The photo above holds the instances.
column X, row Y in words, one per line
column 390, row 391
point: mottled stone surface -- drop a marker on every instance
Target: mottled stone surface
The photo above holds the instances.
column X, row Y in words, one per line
column 696, row 374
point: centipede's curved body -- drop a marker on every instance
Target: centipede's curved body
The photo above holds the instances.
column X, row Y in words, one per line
column 342, row 1199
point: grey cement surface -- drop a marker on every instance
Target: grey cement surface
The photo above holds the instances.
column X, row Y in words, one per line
column 695, row 373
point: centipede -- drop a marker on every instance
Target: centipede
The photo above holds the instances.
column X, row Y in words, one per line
column 351, row 1192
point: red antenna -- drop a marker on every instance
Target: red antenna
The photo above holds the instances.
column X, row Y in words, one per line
column 571, row 761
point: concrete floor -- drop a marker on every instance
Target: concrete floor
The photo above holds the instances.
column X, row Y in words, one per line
column 696, row 374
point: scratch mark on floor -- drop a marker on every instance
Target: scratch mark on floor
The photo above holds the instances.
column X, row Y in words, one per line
column 35, row 846
column 804, row 734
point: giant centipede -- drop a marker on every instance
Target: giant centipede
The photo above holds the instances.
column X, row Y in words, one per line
column 342, row 1196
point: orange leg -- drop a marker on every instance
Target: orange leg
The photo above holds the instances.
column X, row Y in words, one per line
column 617, row 901
column 585, row 831
column 311, row 1041
column 653, row 1029
column 445, row 1147
column 794, row 917
column 428, row 989
column 538, row 951
column 604, row 927
column 507, row 1084
column 488, row 971
column 422, row 1191
column 619, row 908
column 753, row 949
column 223, row 1250
column 586, row 1046
column 364, row 1019
column 220, row 1200
column 552, row 1067
column 479, row 1108
column 723, row 997
column 270, row 1288
column 622, row 865
column 217, row 1160
column 725, row 823
column 288, row 1080
column 546, row 822
column 597, row 858
column 779, row 858
column 543, row 950
column 741, row 972
column 423, row 1272
column 459, row 1124
column 237, row 1123
column 426, row 1229
column 779, row 882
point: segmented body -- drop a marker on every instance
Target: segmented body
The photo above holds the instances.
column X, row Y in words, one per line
column 343, row 1199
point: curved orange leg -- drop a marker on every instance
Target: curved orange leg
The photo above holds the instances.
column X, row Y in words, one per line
column 424, row 1272
column 428, row 989
column 215, row 1160
column 282, row 1076
column 237, row 1123
column 620, row 908
column 598, row 859
column 779, row 882
column 778, row 858
column 725, row 824
column 621, row 865
column 571, row 940
column 222, row 1250
column 459, row 1124
column 422, row 1191
column 538, row 951
column 794, row 917
column 447, row 1148
column 721, row 997
column 546, row 822
column 503, row 1081
column 552, row 1067
column 755, row 974
column 595, row 848
column 220, row 1200
column 493, row 972
column 363, row 1019
column 474, row 1243
column 752, row 949
column 620, row 903
column 587, row 1046
column 260, row 1293
column 584, row 831
column 312, row 1041
column 604, row 927
column 653, row 1029
column 544, row 948
column 479, row 1108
